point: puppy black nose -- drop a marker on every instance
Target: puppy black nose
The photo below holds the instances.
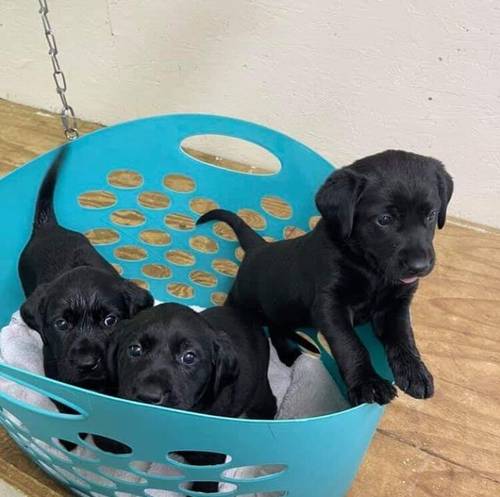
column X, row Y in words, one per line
column 418, row 265
column 151, row 395
column 87, row 362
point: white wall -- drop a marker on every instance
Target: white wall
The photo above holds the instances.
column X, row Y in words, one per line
column 348, row 78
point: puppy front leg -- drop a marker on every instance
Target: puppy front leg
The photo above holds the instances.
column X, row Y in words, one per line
column 280, row 338
column 363, row 383
column 393, row 326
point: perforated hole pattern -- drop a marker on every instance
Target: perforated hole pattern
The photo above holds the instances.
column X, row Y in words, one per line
column 151, row 237
column 66, row 466
column 154, row 242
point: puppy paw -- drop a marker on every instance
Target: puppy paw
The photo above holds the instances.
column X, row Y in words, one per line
column 411, row 375
column 373, row 389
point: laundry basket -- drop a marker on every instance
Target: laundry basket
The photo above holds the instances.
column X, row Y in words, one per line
column 137, row 194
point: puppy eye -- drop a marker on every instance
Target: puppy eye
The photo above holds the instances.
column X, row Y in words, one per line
column 385, row 219
column 431, row 216
column 188, row 358
column 110, row 320
column 61, row 324
column 134, row 350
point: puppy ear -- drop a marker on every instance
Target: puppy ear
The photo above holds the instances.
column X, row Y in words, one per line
column 136, row 297
column 226, row 364
column 445, row 189
column 33, row 309
column 336, row 201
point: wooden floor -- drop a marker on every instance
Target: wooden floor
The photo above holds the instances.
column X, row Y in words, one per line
column 448, row 446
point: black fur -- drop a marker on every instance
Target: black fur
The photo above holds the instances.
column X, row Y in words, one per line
column 64, row 278
column 361, row 263
column 228, row 377
column 229, row 374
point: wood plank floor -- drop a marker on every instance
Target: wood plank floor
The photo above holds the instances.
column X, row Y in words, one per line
column 448, row 446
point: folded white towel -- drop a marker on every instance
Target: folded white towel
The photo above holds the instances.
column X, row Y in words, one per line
column 22, row 348
column 312, row 391
column 304, row 390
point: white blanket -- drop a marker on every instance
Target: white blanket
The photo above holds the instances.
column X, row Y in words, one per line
column 304, row 390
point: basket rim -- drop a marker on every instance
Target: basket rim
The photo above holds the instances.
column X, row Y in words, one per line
column 179, row 115
column 223, row 419
column 5, row 368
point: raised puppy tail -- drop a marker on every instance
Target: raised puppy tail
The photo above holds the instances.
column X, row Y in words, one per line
column 44, row 212
column 247, row 237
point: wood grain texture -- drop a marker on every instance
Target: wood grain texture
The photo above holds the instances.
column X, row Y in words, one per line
column 26, row 133
column 448, row 446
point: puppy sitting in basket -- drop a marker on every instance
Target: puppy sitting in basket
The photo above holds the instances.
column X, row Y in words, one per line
column 75, row 298
column 362, row 262
column 213, row 362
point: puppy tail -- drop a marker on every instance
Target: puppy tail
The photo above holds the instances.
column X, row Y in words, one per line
column 44, row 212
column 247, row 237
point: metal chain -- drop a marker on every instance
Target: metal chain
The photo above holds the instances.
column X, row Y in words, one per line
column 67, row 113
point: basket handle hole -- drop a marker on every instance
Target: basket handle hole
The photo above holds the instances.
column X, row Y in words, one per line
column 232, row 154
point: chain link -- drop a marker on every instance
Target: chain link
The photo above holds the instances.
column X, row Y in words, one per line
column 67, row 114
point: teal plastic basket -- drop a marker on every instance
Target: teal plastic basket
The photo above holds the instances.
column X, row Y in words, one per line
column 129, row 167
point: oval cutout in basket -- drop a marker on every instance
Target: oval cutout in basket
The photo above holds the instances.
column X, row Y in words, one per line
column 93, row 478
column 153, row 200
column 305, row 343
column 218, row 298
column 106, row 444
column 156, row 492
column 36, row 398
column 97, row 199
column 203, row 244
column 102, row 236
column 125, row 178
column 12, row 421
column 228, row 487
column 71, row 477
column 51, row 450
column 232, row 154
column 256, row 472
column 123, row 475
column 81, row 452
column 156, row 469
column 180, row 290
column 277, row 493
column 157, row 271
column 198, row 458
column 155, row 237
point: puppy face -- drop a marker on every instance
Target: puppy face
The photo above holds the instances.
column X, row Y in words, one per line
column 75, row 315
column 170, row 356
column 387, row 207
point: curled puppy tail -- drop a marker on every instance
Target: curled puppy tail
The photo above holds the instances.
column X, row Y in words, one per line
column 44, row 212
column 247, row 237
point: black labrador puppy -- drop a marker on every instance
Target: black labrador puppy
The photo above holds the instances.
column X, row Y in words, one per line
column 213, row 362
column 361, row 263
column 75, row 298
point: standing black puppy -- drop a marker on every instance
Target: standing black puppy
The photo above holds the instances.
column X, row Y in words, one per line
column 74, row 297
column 360, row 263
